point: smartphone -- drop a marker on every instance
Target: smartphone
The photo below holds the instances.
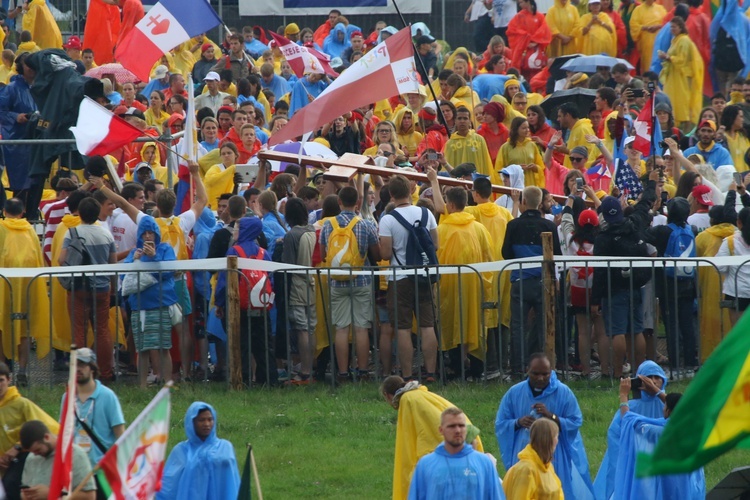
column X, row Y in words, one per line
column 738, row 178
column 636, row 384
column 638, row 93
column 432, row 156
column 664, row 197
column 579, row 184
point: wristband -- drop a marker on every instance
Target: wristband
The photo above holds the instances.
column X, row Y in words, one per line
column 550, row 145
column 660, row 393
column 624, row 405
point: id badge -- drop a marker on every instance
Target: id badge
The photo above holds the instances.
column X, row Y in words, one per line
column 83, row 440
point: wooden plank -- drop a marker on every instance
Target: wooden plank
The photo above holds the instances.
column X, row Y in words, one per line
column 233, row 312
column 549, row 291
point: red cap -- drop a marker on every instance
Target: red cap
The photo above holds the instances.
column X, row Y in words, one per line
column 356, row 33
column 205, row 47
column 427, row 114
column 588, row 216
column 702, row 194
column 73, row 43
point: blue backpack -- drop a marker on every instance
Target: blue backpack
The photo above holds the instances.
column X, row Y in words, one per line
column 420, row 249
column 681, row 245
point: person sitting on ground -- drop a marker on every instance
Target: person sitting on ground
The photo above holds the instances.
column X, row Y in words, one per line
column 203, row 466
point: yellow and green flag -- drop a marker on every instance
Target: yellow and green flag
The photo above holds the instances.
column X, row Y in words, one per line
column 713, row 416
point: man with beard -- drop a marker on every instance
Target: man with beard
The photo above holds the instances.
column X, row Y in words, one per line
column 99, row 420
column 37, row 471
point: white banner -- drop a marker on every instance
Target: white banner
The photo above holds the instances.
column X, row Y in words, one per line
column 322, row 7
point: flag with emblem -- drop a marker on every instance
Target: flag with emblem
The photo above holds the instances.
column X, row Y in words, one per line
column 167, row 24
column 713, row 416
column 644, row 127
column 303, row 60
column 133, row 466
column 385, row 71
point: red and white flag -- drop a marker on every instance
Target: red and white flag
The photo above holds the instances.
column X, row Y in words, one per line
column 166, row 25
column 304, row 60
column 386, row 70
column 99, row 132
column 642, row 126
column 62, row 466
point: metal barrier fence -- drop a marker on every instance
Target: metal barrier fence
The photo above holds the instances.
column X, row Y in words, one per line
column 485, row 325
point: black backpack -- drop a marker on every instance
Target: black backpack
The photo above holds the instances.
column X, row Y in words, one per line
column 726, row 56
column 631, row 246
column 76, row 255
column 420, row 249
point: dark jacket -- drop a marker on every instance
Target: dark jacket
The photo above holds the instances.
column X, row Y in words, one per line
column 615, row 238
column 523, row 238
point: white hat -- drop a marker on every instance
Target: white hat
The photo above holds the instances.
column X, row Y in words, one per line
column 160, row 72
column 628, row 140
column 594, row 1
column 212, row 76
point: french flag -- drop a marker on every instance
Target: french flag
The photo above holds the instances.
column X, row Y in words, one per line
column 167, row 24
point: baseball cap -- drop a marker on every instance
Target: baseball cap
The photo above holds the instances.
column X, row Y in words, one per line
column 337, row 62
column 588, row 216
column 611, row 210
column 702, row 194
column 707, row 123
column 291, row 29
column 205, row 47
column 141, row 165
column 160, row 72
column 85, row 355
column 73, row 43
column 356, row 33
column 424, row 39
column 212, row 76
column 629, row 140
column 131, row 111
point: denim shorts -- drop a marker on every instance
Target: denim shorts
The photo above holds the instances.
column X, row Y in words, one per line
column 618, row 319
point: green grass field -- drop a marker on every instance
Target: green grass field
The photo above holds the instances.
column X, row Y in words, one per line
column 313, row 442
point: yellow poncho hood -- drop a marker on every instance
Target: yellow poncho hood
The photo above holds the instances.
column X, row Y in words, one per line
column 15, row 411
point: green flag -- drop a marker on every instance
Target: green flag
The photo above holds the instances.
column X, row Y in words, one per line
column 713, row 416
column 245, row 492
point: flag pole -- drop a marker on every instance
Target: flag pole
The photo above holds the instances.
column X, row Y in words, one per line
column 443, row 121
column 255, row 471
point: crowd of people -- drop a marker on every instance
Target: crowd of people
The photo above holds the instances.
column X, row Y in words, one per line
column 578, row 174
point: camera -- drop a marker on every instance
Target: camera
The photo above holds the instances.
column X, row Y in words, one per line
column 432, row 156
column 579, row 184
column 651, row 87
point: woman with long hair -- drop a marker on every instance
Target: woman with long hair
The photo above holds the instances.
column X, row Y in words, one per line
column 223, row 177
column 496, row 46
column 449, row 112
column 155, row 114
column 735, row 135
column 682, row 71
column 521, row 150
column 533, row 476
column 541, row 132
column 385, row 131
column 528, row 36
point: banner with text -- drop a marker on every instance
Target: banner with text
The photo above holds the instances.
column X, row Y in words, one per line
column 322, row 7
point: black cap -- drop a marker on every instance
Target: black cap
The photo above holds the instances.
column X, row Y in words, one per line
column 424, row 39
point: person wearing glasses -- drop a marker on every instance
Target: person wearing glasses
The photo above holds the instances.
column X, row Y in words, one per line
column 385, row 132
column 570, row 119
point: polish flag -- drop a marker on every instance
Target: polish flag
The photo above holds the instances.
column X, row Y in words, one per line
column 99, row 132
column 167, row 24
column 304, row 60
column 383, row 72
column 62, row 465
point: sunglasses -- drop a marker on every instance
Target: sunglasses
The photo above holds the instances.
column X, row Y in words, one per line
column 386, row 153
column 383, row 130
column 576, row 159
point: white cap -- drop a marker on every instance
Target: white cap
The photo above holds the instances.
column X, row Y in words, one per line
column 212, row 76
column 594, row 1
column 160, row 72
column 628, row 140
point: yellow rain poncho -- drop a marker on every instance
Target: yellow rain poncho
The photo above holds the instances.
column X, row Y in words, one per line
column 409, row 139
column 561, row 19
column 525, row 152
column 42, row 25
column 183, row 59
column 714, row 321
column 199, row 51
column 532, row 478
column 219, row 180
column 643, row 16
column 464, row 96
column 154, row 120
column 470, row 148
column 681, row 73
column 15, row 411
column 598, row 40
column 417, row 434
column 464, row 241
column 59, row 297
column 19, row 248
column 495, row 219
column 577, row 137
column 160, row 172
column 737, row 144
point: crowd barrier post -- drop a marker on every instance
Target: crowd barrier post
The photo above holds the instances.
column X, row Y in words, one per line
column 550, row 296
column 233, row 325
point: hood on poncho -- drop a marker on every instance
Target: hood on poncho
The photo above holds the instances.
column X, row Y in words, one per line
column 148, row 223
column 250, row 229
column 192, row 412
column 515, row 173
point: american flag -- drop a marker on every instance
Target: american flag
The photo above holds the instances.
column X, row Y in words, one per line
column 626, row 180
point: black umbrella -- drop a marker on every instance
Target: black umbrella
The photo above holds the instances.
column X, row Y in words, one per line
column 735, row 485
column 582, row 98
column 555, row 69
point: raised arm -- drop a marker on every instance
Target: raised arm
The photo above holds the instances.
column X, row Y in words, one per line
column 551, row 148
column 118, row 200
column 437, row 194
column 592, row 139
column 201, row 197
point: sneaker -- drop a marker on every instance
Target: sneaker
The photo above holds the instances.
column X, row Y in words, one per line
column 430, row 378
column 283, row 375
column 151, row 378
column 300, row 380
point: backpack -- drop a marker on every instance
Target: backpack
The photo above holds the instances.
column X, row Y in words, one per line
column 343, row 249
column 726, row 56
column 256, row 292
column 420, row 249
column 76, row 255
column 681, row 244
column 631, row 247
column 171, row 233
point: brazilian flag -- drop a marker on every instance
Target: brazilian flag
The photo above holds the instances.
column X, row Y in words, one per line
column 713, row 416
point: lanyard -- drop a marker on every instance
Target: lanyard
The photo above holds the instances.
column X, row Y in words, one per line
column 89, row 412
